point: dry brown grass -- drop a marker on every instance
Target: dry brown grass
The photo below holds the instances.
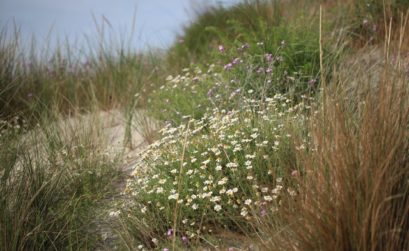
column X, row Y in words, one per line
column 354, row 187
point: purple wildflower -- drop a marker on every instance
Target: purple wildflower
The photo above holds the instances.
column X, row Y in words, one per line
column 312, row 82
column 166, row 249
column 185, row 240
column 235, row 61
column 228, row 66
column 221, row 48
column 170, row 232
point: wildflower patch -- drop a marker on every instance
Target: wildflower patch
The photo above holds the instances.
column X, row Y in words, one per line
column 220, row 171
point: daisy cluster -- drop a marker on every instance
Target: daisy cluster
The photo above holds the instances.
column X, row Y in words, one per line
column 219, row 171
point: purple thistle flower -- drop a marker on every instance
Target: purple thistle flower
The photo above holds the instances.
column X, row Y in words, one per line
column 228, row 66
column 263, row 212
column 185, row 240
column 268, row 57
column 235, row 61
column 221, row 48
column 170, row 232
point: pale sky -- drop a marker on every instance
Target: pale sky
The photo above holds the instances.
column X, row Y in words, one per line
column 156, row 21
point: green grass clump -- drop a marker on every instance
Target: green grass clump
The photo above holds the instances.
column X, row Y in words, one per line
column 253, row 22
column 287, row 63
column 213, row 173
column 50, row 180
column 198, row 39
column 183, row 95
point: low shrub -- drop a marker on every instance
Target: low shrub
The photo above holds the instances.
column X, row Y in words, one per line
column 213, row 173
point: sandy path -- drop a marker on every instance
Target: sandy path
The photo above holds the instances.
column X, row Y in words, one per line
column 113, row 130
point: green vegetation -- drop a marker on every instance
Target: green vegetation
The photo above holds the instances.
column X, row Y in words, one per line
column 50, row 180
column 66, row 80
column 217, row 171
column 258, row 38
column 261, row 125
